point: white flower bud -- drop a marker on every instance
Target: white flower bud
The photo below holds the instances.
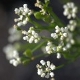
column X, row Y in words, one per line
column 42, row 62
column 51, row 74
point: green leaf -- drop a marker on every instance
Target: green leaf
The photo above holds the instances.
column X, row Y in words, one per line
column 47, row 2
column 47, row 18
column 18, row 28
column 38, row 15
column 25, row 60
column 28, row 53
column 26, row 45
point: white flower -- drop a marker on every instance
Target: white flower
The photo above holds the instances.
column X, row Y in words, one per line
column 72, row 25
column 51, row 74
column 14, row 35
column 48, row 63
column 45, row 69
column 52, row 66
column 57, row 29
column 8, row 50
column 58, row 55
column 31, row 36
column 54, row 35
column 49, row 47
column 12, row 54
column 40, row 71
column 42, row 62
column 60, row 32
column 15, row 62
column 70, row 10
column 52, row 79
column 43, row 75
column 68, row 45
column 23, row 13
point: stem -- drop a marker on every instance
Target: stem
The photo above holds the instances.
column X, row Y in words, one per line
column 65, row 64
column 37, row 47
column 41, row 27
column 55, row 17
column 40, row 55
column 37, row 25
column 78, row 19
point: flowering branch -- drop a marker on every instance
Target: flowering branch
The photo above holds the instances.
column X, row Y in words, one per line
column 61, row 39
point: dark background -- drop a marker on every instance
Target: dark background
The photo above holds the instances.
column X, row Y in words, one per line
column 7, row 71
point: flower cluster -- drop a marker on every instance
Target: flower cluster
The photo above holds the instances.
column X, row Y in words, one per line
column 45, row 69
column 31, row 35
column 49, row 48
column 39, row 5
column 59, row 41
column 70, row 10
column 14, row 35
column 12, row 54
column 60, row 32
column 23, row 13
column 65, row 40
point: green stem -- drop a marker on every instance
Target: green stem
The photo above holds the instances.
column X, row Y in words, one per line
column 65, row 64
column 55, row 17
column 40, row 55
column 38, row 46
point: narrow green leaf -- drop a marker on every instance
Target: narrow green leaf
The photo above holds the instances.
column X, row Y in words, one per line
column 38, row 15
column 28, row 53
column 18, row 28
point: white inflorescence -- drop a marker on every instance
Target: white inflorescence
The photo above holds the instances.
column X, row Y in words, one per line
column 45, row 69
column 23, row 13
column 65, row 39
column 14, row 35
column 70, row 10
column 39, row 5
column 49, row 47
column 12, row 54
column 31, row 36
column 60, row 32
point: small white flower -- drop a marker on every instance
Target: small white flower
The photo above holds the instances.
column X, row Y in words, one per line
column 57, row 29
column 70, row 10
column 43, row 75
column 25, row 5
column 54, row 35
column 64, row 48
column 58, row 55
column 19, row 24
column 47, row 75
column 49, row 47
column 31, row 36
column 68, row 45
column 42, row 62
column 52, row 66
column 23, row 13
column 40, row 71
column 12, row 55
column 45, row 69
column 15, row 62
column 72, row 41
column 72, row 25
column 51, row 74
column 52, row 79
column 48, row 63
column 65, row 34
column 14, row 35
column 8, row 50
